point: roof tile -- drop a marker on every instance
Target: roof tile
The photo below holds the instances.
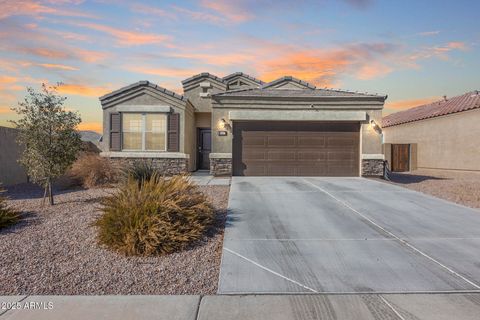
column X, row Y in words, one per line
column 467, row 101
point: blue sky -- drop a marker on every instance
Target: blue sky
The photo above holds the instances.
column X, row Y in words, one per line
column 414, row 51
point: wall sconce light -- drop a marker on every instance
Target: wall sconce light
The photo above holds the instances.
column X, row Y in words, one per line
column 375, row 126
column 223, row 124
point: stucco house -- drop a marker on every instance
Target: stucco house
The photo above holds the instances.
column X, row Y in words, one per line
column 441, row 135
column 240, row 125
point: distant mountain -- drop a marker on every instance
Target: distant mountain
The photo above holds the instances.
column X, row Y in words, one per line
column 92, row 136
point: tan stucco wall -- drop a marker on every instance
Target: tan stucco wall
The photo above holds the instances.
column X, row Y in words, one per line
column 11, row 172
column 447, row 142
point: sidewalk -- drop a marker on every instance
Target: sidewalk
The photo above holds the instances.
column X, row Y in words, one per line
column 461, row 306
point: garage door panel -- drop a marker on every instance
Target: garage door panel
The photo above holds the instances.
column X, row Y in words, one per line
column 294, row 149
column 258, row 141
column 341, row 156
column 340, row 141
column 282, row 155
column 281, row 140
column 310, row 155
column 310, row 141
column 254, row 154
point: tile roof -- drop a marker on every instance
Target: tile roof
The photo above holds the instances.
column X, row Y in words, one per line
column 235, row 74
column 202, row 75
column 289, row 78
column 467, row 101
column 143, row 83
column 274, row 92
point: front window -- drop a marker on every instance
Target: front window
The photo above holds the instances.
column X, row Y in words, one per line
column 144, row 131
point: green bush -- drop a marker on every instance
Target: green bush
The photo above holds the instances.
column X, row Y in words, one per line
column 7, row 215
column 157, row 216
column 140, row 171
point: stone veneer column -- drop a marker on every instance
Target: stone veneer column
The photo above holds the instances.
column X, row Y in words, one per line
column 372, row 167
column 220, row 164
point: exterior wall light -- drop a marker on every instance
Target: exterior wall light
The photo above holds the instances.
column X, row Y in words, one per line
column 223, row 124
column 375, row 126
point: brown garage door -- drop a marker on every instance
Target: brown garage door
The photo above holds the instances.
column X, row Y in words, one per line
column 263, row 148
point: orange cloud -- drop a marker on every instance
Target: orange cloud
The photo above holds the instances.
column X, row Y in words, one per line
column 57, row 66
column 231, row 10
column 35, row 8
column 223, row 59
column 7, row 79
column 407, row 104
column 164, row 72
column 149, row 10
column 129, row 38
column 91, row 56
column 373, row 70
column 91, row 126
column 83, row 90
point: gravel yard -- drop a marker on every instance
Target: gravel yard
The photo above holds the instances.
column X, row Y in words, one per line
column 54, row 251
column 456, row 186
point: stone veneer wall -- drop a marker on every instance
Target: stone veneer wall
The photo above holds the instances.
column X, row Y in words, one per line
column 221, row 166
column 372, row 167
column 167, row 166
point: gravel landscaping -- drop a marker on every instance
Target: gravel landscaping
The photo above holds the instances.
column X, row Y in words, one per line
column 456, row 186
column 54, row 251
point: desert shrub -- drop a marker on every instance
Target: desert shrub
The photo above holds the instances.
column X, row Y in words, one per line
column 92, row 170
column 140, row 171
column 7, row 215
column 157, row 216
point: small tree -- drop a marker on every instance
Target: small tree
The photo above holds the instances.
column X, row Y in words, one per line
column 48, row 136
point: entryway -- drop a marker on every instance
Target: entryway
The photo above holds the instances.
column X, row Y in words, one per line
column 400, row 157
column 204, row 146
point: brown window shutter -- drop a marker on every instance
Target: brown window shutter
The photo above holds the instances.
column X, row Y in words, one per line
column 173, row 140
column 115, row 132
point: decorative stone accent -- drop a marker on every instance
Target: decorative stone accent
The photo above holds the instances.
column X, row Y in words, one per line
column 167, row 166
column 221, row 166
column 372, row 167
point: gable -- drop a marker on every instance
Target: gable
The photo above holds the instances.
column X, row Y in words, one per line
column 144, row 96
column 240, row 80
column 289, row 82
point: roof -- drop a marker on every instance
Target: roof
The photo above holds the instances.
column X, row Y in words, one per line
column 467, row 101
column 291, row 79
column 202, row 75
column 143, row 83
column 302, row 93
column 236, row 74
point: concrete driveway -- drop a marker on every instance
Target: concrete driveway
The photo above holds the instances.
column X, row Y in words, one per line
column 342, row 235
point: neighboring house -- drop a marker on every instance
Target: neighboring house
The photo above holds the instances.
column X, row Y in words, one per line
column 242, row 126
column 11, row 172
column 440, row 135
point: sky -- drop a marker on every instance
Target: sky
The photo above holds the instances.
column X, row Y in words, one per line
column 413, row 51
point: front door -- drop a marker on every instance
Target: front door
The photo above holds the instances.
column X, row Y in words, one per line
column 400, row 157
column 204, row 148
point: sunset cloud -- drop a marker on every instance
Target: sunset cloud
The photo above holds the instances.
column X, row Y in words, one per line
column 4, row 110
column 83, row 90
column 164, row 72
column 37, row 8
column 129, row 38
column 57, row 66
column 232, row 10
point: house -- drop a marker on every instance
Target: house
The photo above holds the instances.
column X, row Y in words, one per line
column 241, row 125
column 441, row 135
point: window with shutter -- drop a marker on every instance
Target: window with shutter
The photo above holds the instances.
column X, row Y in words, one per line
column 174, row 132
column 115, row 132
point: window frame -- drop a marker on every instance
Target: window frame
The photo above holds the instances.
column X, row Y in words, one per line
column 143, row 131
